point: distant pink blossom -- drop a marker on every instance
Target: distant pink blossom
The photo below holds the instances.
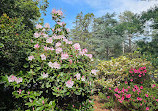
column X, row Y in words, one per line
column 69, row 83
column 131, row 72
column 36, row 34
column 138, row 98
column 54, row 65
column 140, row 75
column 47, row 25
column 109, row 88
column 153, row 85
column 58, row 29
column 19, row 91
column 36, row 46
column 28, row 92
column 58, row 44
column 89, row 55
column 83, row 78
column 94, row 71
column 30, row 58
column 45, row 75
column 126, row 82
column 43, row 57
column 38, row 26
column 42, row 101
column 49, row 40
column 131, row 80
column 78, row 76
column 128, row 95
column 64, row 56
column 70, row 61
column 141, row 87
column 116, row 89
column 147, row 108
column 58, row 50
column 77, row 46
column 108, row 97
column 18, row 80
column 128, row 86
column 146, row 95
column 134, row 90
column 12, row 78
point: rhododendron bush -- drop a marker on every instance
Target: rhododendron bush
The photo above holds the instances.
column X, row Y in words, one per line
column 137, row 92
column 113, row 72
column 61, row 74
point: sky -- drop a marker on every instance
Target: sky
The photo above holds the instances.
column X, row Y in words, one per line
column 99, row 7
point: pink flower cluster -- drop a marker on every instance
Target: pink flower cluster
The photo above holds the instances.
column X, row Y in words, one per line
column 141, row 71
column 54, row 65
column 69, row 83
column 64, row 56
column 13, row 78
column 56, row 13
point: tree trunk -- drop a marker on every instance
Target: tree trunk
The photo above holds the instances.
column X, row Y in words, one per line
column 130, row 46
column 123, row 47
column 107, row 53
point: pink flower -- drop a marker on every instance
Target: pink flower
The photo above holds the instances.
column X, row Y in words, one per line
column 18, row 80
column 59, row 23
column 126, row 90
column 157, row 100
column 59, row 50
column 59, row 12
column 28, row 92
column 69, row 83
column 140, row 75
column 83, row 78
column 122, row 98
column 38, row 26
column 49, row 40
column 128, row 95
column 146, row 95
column 126, row 82
column 108, row 97
column 30, row 58
column 36, row 46
column 43, row 102
column 140, row 104
column 45, row 75
column 88, row 55
column 64, row 56
column 153, row 85
column 59, row 29
column 131, row 72
column 131, row 80
column 77, row 76
column 47, row 25
column 57, row 44
column 43, row 57
column 12, row 78
column 141, row 87
column 77, row 46
column 128, row 87
column 138, row 98
column 54, row 65
column 135, row 71
column 70, row 61
column 147, row 108
column 134, row 90
column 36, row 35
column 116, row 89
column 19, row 91
column 94, row 72
column 109, row 88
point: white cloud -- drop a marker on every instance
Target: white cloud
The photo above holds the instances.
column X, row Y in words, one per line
column 118, row 6
column 103, row 6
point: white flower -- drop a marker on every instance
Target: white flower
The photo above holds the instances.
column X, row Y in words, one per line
column 30, row 58
column 49, row 40
column 94, row 72
column 54, row 65
column 36, row 35
column 43, row 57
column 77, row 46
column 59, row 50
column 38, row 26
column 57, row 44
column 78, row 76
column 64, row 56
column 44, row 75
column 47, row 25
column 18, row 80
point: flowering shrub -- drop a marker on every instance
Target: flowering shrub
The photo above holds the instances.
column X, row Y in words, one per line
column 60, row 76
column 137, row 92
column 115, row 71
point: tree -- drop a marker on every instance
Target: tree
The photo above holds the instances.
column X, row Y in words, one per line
column 129, row 25
column 28, row 9
column 82, row 30
column 105, row 37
